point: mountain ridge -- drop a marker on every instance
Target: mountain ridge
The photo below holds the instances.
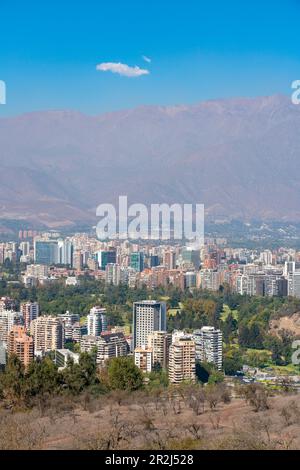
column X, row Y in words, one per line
column 240, row 157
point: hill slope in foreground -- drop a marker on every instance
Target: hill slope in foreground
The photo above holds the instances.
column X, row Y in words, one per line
column 122, row 421
column 240, row 157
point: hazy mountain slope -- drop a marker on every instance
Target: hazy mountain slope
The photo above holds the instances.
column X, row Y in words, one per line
column 241, row 157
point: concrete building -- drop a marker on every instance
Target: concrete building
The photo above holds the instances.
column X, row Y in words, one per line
column 48, row 334
column 46, row 251
column 2, row 356
column 30, row 311
column 294, row 284
column 8, row 318
column 209, row 346
column 113, row 274
column 20, row 344
column 148, row 316
column 143, row 359
column 96, row 321
column 62, row 356
column 159, row 342
column 137, row 261
column 72, row 330
column 111, row 345
column 182, row 360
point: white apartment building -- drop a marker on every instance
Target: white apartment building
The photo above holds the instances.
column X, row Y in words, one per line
column 8, row 318
column 209, row 346
column 48, row 334
column 96, row 321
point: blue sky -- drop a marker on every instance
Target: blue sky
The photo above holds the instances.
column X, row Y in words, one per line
column 198, row 49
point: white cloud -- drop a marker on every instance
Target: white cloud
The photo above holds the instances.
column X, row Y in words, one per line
column 122, row 69
column 146, row 59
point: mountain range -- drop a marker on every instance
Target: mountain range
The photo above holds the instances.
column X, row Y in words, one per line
column 240, row 157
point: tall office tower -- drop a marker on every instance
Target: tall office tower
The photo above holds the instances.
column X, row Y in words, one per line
column 25, row 248
column 106, row 257
column 8, row 319
column 289, row 268
column 182, row 363
column 96, row 321
column 191, row 257
column 113, row 274
column 46, row 251
column 137, row 261
column 148, row 316
column 30, row 311
column 294, row 284
column 65, row 252
column 209, row 347
column 159, row 342
column 154, row 261
column 48, row 334
column 77, row 260
column 20, row 344
column 169, row 259
column 143, row 359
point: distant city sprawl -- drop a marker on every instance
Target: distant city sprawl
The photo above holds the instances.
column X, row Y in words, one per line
column 233, row 308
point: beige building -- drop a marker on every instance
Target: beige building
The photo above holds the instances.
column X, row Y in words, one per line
column 47, row 332
column 182, row 363
column 20, row 344
column 143, row 359
column 159, row 342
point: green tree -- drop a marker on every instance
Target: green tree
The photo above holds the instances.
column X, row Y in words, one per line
column 13, row 385
column 123, row 374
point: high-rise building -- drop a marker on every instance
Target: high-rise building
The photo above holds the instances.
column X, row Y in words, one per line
column 96, row 321
column 159, row 342
column 20, row 344
column 25, row 248
column 70, row 321
column 77, row 260
column 111, row 345
column 182, row 364
column 169, row 259
column 2, row 356
column 209, row 347
column 46, row 252
column 106, row 257
column 143, row 359
column 8, row 319
column 113, row 274
column 148, row 316
column 154, row 261
column 191, row 257
column 48, row 334
column 137, row 261
column 65, row 252
column 30, row 311
column 294, row 284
